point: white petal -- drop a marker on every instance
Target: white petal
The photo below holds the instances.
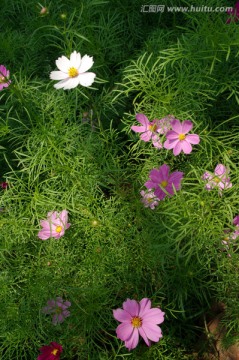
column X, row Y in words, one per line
column 63, row 64
column 61, row 84
column 58, row 75
column 86, row 79
column 75, row 59
column 71, row 83
column 86, row 63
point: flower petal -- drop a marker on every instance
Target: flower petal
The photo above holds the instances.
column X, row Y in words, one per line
column 187, row 126
column 142, row 119
column 186, row 146
column 154, row 316
column 145, row 305
column 75, row 60
column 131, row 306
column 138, row 128
column 71, row 83
column 170, row 144
column 122, row 315
column 146, row 136
column 133, row 341
column 193, row 139
column 177, row 148
column 142, row 333
column 220, row 170
column 58, row 75
column 63, row 64
column 152, row 331
column 61, row 84
column 177, row 126
column 172, row 135
column 86, row 79
column 124, row 331
column 86, row 64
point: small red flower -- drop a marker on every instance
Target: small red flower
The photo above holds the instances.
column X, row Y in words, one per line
column 4, row 185
column 50, row 352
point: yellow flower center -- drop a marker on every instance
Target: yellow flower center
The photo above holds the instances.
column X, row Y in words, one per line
column 73, row 72
column 181, row 136
column 150, row 200
column 58, row 310
column 136, row 322
column 153, row 127
column 164, row 183
column 54, row 352
column 2, row 79
column 216, row 179
column 58, row 228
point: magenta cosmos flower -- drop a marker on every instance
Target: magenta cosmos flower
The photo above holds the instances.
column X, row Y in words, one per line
column 50, row 352
column 177, row 138
column 73, row 71
column 4, row 77
column 149, row 199
column 163, row 183
column 138, row 319
column 218, row 179
column 54, row 226
column 234, row 14
column 59, row 310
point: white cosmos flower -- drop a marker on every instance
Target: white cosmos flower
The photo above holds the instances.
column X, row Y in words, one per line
column 73, row 72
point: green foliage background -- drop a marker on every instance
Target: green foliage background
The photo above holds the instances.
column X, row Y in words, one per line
column 53, row 158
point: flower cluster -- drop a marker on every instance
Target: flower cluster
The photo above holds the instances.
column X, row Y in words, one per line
column 174, row 131
column 152, row 130
column 218, row 179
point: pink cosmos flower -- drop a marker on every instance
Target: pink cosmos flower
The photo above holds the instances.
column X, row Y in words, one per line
column 59, row 310
column 148, row 129
column 50, row 352
column 177, row 138
column 234, row 14
column 151, row 130
column 219, row 179
column 138, row 319
column 4, row 77
column 54, row 226
column 149, row 199
column 163, row 183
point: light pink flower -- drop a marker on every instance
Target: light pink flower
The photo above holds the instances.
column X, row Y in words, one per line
column 218, row 179
column 152, row 130
column 149, row 199
column 163, row 183
column 54, row 226
column 149, row 129
column 177, row 138
column 4, row 77
column 58, row 308
column 138, row 319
